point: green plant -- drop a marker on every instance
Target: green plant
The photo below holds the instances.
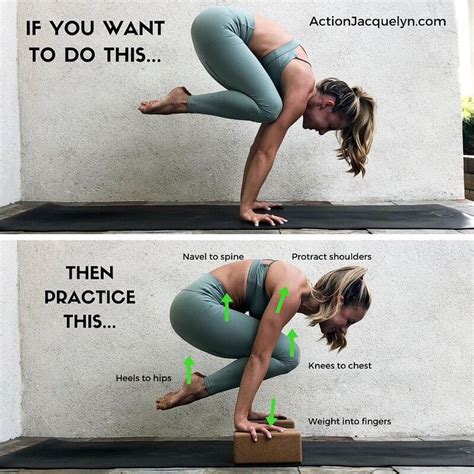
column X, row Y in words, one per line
column 467, row 106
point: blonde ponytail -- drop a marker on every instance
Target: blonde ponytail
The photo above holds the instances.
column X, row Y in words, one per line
column 359, row 109
column 345, row 282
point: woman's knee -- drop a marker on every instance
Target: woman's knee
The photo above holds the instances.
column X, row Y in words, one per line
column 293, row 362
column 272, row 108
column 287, row 360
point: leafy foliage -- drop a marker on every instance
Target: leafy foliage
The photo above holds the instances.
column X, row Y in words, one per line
column 467, row 105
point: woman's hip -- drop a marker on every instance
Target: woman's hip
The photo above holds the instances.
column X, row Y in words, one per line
column 220, row 22
column 197, row 303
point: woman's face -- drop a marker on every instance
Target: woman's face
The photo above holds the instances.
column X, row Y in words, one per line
column 347, row 316
column 319, row 115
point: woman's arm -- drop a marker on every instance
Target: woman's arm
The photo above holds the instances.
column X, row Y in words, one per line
column 260, row 161
column 252, row 151
column 268, row 333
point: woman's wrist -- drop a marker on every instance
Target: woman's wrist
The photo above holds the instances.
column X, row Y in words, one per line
column 240, row 418
column 241, row 414
column 247, row 205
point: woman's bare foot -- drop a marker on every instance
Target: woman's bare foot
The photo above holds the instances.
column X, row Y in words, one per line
column 174, row 103
column 186, row 394
column 261, row 417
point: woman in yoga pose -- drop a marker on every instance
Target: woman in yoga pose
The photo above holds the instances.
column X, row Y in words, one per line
column 269, row 80
column 339, row 299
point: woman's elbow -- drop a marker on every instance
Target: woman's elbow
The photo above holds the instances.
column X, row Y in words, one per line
column 259, row 358
column 265, row 156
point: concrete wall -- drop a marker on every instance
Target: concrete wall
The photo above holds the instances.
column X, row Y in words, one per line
column 417, row 336
column 9, row 114
column 465, row 22
column 84, row 140
column 10, row 377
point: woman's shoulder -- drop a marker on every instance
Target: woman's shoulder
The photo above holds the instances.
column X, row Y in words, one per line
column 286, row 274
column 298, row 76
column 297, row 86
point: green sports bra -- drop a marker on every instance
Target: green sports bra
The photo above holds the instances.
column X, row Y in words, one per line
column 276, row 61
column 256, row 298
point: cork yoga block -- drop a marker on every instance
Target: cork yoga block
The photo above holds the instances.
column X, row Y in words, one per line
column 288, row 423
column 282, row 448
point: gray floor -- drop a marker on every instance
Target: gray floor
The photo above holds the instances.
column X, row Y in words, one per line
column 19, row 443
column 463, row 205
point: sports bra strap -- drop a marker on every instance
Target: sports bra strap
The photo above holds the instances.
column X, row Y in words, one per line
column 304, row 60
column 301, row 59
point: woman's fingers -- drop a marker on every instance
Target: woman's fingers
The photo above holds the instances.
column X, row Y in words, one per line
column 277, row 428
column 280, row 220
column 265, row 429
column 262, row 205
column 255, row 219
column 255, row 428
column 269, row 219
column 267, row 433
column 260, row 429
column 277, row 219
column 267, row 206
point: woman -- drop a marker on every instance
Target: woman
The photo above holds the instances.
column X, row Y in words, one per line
column 339, row 299
column 269, row 80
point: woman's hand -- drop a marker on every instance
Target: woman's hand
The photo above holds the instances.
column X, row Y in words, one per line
column 250, row 216
column 247, row 426
column 266, row 206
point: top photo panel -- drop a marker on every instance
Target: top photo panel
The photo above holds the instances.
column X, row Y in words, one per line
column 237, row 117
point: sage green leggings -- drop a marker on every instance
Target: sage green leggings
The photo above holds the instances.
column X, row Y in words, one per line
column 197, row 315
column 220, row 36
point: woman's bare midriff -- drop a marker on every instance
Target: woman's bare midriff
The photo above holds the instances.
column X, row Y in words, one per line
column 268, row 36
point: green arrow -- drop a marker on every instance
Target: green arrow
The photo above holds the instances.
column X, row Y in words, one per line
column 271, row 418
column 226, row 299
column 292, row 334
column 188, row 362
column 283, row 294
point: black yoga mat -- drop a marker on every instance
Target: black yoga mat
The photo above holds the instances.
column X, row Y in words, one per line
column 60, row 454
column 53, row 217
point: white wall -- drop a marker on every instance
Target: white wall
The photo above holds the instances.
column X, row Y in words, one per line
column 465, row 22
column 417, row 336
column 10, row 376
column 9, row 115
column 84, row 140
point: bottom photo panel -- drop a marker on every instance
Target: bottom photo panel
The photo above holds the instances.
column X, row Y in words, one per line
column 301, row 355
